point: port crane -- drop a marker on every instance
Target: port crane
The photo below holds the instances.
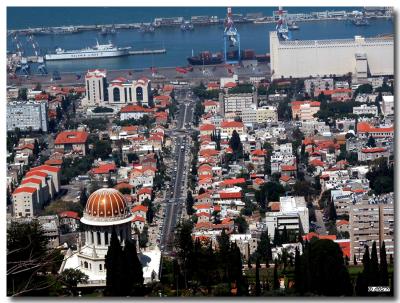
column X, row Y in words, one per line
column 36, row 49
column 282, row 26
column 231, row 39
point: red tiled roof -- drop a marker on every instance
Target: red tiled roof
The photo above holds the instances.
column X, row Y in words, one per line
column 71, row 137
column 25, row 189
column 138, row 218
column 144, row 190
column 233, row 181
column 202, row 206
column 288, row 167
column 342, row 222
column 317, row 162
column 285, row 178
column 130, row 128
column 259, row 181
column 203, row 196
column 46, row 168
column 345, row 246
column 212, row 85
column 275, row 206
column 204, row 225
column 373, row 150
column 104, row 168
column 207, row 127
column 229, row 124
column 203, row 214
column 136, row 109
column 36, row 173
column 230, row 84
column 123, row 185
column 311, row 235
column 259, row 152
column 328, row 92
column 229, row 195
column 31, row 180
column 365, row 127
column 296, row 104
column 210, row 103
column 28, row 146
column 69, row 214
column 217, row 208
column 139, row 208
column 209, row 152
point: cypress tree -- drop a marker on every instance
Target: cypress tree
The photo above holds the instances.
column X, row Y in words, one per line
column 113, row 265
column 189, row 203
column 355, row 260
column 284, row 238
column 298, row 283
column 391, row 259
column 132, row 271
column 277, row 238
column 248, row 258
column 383, row 267
column 258, row 286
column 374, row 266
column 276, row 280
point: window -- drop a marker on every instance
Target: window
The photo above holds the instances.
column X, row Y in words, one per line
column 100, row 267
column 116, row 94
column 106, row 237
column 86, row 264
column 98, row 238
column 139, row 94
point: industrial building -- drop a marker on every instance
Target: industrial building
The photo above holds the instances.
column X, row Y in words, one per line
column 363, row 57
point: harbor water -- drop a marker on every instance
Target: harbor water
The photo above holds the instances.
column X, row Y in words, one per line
column 179, row 44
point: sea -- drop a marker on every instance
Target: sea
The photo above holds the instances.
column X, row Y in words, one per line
column 178, row 44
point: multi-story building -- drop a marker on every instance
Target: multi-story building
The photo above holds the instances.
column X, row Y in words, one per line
column 96, row 87
column 292, row 214
column 25, row 202
column 227, row 127
column 387, row 105
column 364, row 109
column 317, row 85
column 305, row 58
column 369, row 154
column 369, row 223
column 235, row 103
column 27, row 115
column 259, row 115
column 71, row 142
column 304, row 110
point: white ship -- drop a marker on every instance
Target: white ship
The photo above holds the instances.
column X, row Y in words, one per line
column 97, row 51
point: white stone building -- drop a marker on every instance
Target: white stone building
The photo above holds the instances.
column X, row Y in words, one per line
column 26, row 115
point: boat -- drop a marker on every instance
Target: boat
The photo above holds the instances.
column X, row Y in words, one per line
column 263, row 58
column 146, row 28
column 360, row 21
column 97, row 51
column 187, row 26
column 293, row 26
column 206, row 58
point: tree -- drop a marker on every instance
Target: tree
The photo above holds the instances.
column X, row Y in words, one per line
column 332, row 211
column 223, row 244
column 184, row 244
column 72, row 277
column 241, row 224
column 132, row 273
column 236, row 144
column 114, row 266
column 258, row 286
column 371, row 142
column 323, row 269
column 23, row 94
column 277, row 237
column 374, row 265
column 264, row 248
column 189, row 203
column 297, row 272
column 383, row 267
column 102, row 149
column 355, row 260
column 276, row 283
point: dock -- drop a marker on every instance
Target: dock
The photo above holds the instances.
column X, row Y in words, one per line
column 148, row 51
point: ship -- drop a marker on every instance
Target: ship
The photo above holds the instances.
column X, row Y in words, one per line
column 206, row 58
column 97, row 51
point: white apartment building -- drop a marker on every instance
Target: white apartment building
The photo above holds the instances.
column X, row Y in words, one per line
column 369, row 154
column 387, row 105
column 235, row 103
column 371, row 222
column 259, row 115
column 293, row 215
column 364, row 109
column 25, row 202
column 96, row 87
column 26, row 115
column 317, row 85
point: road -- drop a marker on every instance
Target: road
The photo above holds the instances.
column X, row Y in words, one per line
column 163, row 74
column 176, row 195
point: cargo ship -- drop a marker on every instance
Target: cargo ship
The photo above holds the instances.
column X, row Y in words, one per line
column 97, row 51
column 206, row 58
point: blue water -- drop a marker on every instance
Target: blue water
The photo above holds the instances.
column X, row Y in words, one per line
column 179, row 44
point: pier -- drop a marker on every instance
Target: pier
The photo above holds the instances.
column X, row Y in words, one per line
column 148, row 52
